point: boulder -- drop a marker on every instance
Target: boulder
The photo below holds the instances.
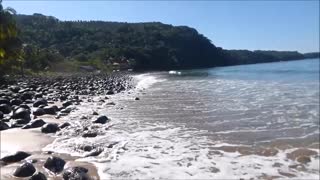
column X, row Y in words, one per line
column 16, row 102
column 66, row 104
column 16, row 157
column 90, row 134
column 38, row 176
column 137, row 98
column 3, row 126
column 38, row 112
column 50, row 128
column 75, row 173
column 24, row 170
column 21, row 113
column 4, row 101
column 26, row 95
column 39, row 102
column 34, row 124
column 101, row 120
column 54, row 164
column 5, row 108
column 50, row 110
column 65, row 124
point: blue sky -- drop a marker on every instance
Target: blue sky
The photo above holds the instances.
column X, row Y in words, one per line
column 266, row 25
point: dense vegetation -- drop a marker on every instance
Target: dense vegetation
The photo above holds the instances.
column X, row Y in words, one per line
column 130, row 45
column 51, row 44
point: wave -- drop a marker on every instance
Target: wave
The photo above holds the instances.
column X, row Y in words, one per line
column 146, row 80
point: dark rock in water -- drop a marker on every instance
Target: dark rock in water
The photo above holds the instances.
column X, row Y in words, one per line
column 38, row 176
column 21, row 113
column 50, row 128
column 38, row 112
column 96, row 152
column 25, row 170
column 86, row 148
column 137, row 98
column 66, row 104
column 50, row 110
column 32, row 161
column 4, row 101
column 66, row 111
column 304, row 159
column 63, row 97
column 39, row 102
column 5, row 108
column 34, row 124
column 101, row 120
column 18, row 156
column 110, row 92
column 95, row 113
column 3, row 126
column 1, row 114
column 65, row 124
column 90, row 134
column 111, row 103
column 75, row 173
column 16, row 102
column 54, row 164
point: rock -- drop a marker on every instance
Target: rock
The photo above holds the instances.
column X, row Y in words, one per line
column 14, row 89
column 95, row 113
column 90, row 134
column 4, row 101
column 16, row 157
column 26, row 95
column 111, row 103
column 137, row 98
column 38, row 176
column 50, row 128
column 66, row 104
column 38, row 95
column 39, row 102
column 24, row 170
column 38, row 112
column 16, row 102
column 21, row 113
column 66, row 111
column 95, row 152
column 5, row 108
column 21, row 121
column 34, row 124
column 54, row 164
column 101, row 120
column 65, row 124
column 50, row 110
column 3, row 126
column 1, row 114
column 304, row 159
column 110, row 92
column 24, row 106
column 76, row 173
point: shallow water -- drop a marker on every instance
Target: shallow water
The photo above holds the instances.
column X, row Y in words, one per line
column 230, row 122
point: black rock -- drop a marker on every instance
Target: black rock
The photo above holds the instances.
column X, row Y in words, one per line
column 39, row 102
column 38, row 95
column 22, row 121
column 95, row 152
column 50, row 128
column 34, row 124
column 24, row 170
column 110, row 92
column 14, row 89
column 54, row 164
column 90, row 134
column 3, row 126
column 66, row 104
column 65, row 124
column 4, row 101
column 38, row 176
column 101, row 120
column 137, row 98
column 66, row 110
column 95, row 113
column 5, row 108
column 24, row 106
column 38, row 112
column 16, row 102
column 26, row 95
column 50, row 110
column 1, row 114
column 21, row 113
column 18, row 156
column 75, row 173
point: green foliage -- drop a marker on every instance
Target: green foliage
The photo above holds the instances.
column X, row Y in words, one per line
column 10, row 45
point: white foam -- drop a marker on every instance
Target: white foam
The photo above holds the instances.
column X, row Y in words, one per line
column 175, row 72
column 146, row 80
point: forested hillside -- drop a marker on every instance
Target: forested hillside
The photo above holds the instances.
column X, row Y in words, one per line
column 51, row 44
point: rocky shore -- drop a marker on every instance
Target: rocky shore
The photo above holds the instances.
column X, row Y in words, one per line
column 31, row 109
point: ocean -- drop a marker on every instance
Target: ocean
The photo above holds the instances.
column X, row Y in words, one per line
column 246, row 121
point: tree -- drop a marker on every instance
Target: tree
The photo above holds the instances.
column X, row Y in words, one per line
column 10, row 44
